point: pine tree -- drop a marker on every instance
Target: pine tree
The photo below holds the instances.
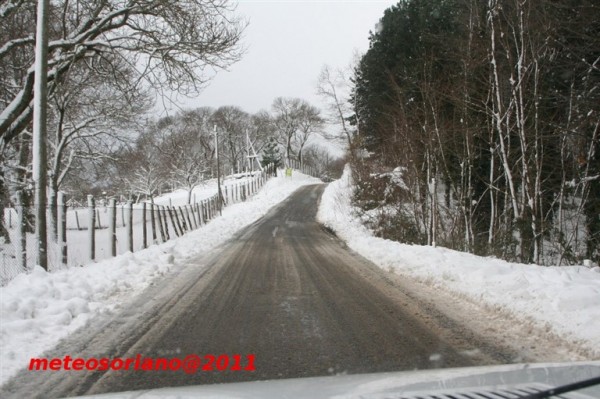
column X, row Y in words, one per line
column 271, row 155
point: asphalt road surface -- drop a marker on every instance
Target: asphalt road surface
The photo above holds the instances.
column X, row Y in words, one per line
column 285, row 290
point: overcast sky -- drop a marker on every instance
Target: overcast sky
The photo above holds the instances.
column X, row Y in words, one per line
column 287, row 44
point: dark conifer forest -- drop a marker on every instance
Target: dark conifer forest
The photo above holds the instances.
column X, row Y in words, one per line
column 477, row 127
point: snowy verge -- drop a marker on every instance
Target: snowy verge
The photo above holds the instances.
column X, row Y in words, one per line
column 564, row 300
column 38, row 309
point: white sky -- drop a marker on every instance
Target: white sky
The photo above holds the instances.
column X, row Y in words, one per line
column 287, row 44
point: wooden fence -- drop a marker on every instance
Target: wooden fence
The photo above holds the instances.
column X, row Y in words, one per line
column 112, row 225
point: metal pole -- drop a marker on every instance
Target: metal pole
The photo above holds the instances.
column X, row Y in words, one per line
column 248, row 150
column 61, row 221
column 40, row 104
column 219, row 195
column 112, row 225
column 91, row 227
column 129, row 229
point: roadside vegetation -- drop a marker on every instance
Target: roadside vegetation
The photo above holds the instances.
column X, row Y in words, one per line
column 477, row 127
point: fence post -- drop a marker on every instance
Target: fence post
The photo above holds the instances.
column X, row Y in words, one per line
column 77, row 221
column 197, row 215
column 187, row 215
column 91, row 226
column 98, row 223
column 180, row 223
column 130, row 225
column 183, row 223
column 175, row 225
column 51, row 217
column 200, row 216
column 112, row 226
column 61, row 226
column 186, row 218
column 160, row 223
column 21, row 233
column 153, row 222
column 144, row 227
column 166, row 223
column 191, row 220
column 180, row 220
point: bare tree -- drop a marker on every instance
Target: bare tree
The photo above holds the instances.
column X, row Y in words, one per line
column 286, row 120
column 139, row 166
column 166, row 45
column 169, row 43
column 185, row 149
column 295, row 120
column 310, row 122
column 91, row 116
column 334, row 88
column 233, row 123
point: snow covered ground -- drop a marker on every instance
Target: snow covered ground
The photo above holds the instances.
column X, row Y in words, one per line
column 38, row 309
column 564, row 300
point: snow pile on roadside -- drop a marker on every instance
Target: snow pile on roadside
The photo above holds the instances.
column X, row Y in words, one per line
column 38, row 309
column 566, row 300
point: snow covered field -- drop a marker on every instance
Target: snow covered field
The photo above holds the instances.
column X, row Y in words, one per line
column 38, row 309
column 565, row 300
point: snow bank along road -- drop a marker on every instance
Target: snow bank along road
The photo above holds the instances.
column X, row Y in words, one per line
column 287, row 291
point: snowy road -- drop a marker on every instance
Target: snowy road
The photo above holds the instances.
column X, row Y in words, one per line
column 285, row 290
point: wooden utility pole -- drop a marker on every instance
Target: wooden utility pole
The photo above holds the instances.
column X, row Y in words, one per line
column 40, row 104
column 219, row 195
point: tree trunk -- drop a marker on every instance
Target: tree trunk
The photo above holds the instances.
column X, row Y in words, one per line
column 4, row 203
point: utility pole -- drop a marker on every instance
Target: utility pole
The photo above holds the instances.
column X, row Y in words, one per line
column 252, row 157
column 248, row 151
column 219, row 195
column 40, row 104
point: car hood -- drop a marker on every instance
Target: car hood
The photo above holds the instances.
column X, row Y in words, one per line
column 488, row 381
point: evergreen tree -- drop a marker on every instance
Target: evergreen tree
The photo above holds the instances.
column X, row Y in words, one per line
column 271, row 155
column 490, row 109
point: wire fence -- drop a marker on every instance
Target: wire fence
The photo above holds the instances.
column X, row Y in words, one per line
column 80, row 235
